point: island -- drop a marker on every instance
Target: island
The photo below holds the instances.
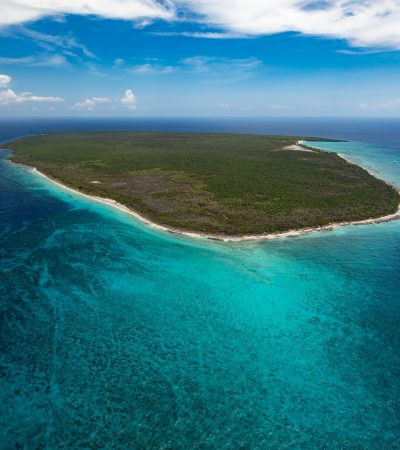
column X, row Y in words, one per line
column 212, row 184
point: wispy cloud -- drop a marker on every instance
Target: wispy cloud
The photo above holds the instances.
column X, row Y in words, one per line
column 95, row 69
column 148, row 69
column 60, row 50
column 35, row 61
column 363, row 23
column 199, row 34
column 362, row 51
column 90, row 103
column 210, row 66
column 221, row 66
column 65, row 44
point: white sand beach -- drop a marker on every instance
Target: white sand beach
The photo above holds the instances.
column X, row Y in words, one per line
column 224, row 238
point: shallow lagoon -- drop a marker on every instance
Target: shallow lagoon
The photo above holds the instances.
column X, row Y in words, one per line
column 117, row 336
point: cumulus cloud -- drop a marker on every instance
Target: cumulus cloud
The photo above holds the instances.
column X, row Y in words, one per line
column 8, row 96
column 129, row 99
column 4, row 80
column 364, row 23
column 90, row 103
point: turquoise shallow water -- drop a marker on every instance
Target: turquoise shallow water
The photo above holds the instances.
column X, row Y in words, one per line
column 117, row 336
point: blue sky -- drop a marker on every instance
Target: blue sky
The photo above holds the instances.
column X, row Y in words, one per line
column 143, row 57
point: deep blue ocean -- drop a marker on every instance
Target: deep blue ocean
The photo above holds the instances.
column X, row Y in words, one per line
column 116, row 336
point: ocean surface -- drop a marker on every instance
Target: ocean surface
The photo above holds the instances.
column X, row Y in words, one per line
column 116, row 336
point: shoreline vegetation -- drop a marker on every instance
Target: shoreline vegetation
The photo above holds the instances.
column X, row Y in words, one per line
column 223, row 238
column 294, row 145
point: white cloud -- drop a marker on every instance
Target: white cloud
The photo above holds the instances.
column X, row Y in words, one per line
column 4, row 80
column 35, row 61
column 218, row 66
column 364, row 23
column 363, row 51
column 90, row 103
column 52, row 43
column 147, row 69
column 8, row 96
column 361, row 22
column 129, row 99
column 199, row 34
column 20, row 11
column 201, row 65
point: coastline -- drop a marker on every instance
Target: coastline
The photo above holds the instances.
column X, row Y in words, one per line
column 225, row 238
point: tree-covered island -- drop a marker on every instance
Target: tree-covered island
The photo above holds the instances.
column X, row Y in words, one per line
column 222, row 184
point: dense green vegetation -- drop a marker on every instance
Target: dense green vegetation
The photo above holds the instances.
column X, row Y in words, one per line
column 216, row 183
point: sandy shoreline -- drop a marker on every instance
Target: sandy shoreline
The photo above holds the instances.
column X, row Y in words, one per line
column 298, row 147
column 255, row 237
